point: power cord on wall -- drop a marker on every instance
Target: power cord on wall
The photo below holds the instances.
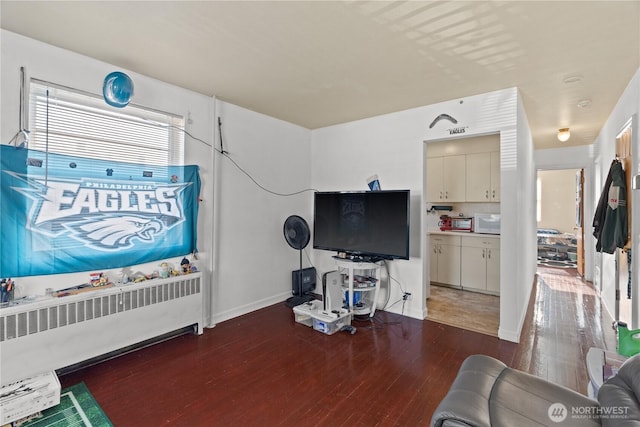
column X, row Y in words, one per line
column 405, row 294
column 318, row 278
column 226, row 155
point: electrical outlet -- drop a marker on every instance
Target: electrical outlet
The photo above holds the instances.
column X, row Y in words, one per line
column 406, row 296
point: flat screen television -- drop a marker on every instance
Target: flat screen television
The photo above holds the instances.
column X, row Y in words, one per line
column 369, row 225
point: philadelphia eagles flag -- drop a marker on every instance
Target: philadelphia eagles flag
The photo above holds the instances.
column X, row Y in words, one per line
column 61, row 214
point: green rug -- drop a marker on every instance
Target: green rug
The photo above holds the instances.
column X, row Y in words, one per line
column 77, row 408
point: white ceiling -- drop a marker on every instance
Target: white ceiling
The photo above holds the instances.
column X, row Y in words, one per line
column 327, row 62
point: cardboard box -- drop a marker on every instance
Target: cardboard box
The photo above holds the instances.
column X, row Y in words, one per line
column 26, row 397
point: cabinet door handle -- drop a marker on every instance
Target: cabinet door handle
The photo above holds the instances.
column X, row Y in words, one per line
column 435, row 250
column 493, row 194
column 486, row 194
column 441, row 195
column 489, row 253
column 483, row 252
column 439, row 249
column 446, row 194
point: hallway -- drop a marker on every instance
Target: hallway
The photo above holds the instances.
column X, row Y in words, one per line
column 565, row 318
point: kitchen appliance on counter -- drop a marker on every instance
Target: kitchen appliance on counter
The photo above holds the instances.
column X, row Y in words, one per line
column 488, row 223
column 448, row 223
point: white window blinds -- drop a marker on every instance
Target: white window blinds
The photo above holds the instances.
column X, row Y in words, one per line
column 66, row 121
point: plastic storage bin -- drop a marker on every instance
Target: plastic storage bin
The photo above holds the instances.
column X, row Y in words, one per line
column 303, row 312
column 311, row 314
column 330, row 324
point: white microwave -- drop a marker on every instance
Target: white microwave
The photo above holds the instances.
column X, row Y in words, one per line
column 487, row 223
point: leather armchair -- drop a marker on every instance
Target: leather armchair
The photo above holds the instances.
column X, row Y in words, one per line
column 486, row 393
column 619, row 396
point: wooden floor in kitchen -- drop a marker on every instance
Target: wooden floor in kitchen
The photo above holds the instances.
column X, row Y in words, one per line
column 264, row 369
column 473, row 311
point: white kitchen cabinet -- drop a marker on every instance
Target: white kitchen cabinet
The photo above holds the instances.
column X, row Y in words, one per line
column 480, row 264
column 483, row 177
column 446, row 179
column 434, row 179
column 493, row 267
column 445, row 259
column 495, row 176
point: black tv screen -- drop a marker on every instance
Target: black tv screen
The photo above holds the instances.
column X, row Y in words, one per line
column 371, row 224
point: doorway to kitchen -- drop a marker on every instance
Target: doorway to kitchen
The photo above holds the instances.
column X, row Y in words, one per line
column 463, row 207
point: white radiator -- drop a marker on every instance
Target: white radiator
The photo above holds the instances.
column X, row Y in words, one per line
column 53, row 333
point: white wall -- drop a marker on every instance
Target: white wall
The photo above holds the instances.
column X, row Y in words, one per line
column 252, row 264
column 523, row 230
column 393, row 146
column 344, row 156
column 627, row 108
column 558, row 199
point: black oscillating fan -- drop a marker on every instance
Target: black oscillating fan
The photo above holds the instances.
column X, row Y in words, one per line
column 297, row 234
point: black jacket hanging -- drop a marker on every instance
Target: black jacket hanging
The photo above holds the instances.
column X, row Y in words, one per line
column 601, row 209
column 610, row 227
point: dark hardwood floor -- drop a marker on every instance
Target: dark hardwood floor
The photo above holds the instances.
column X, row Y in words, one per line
column 263, row 369
column 565, row 318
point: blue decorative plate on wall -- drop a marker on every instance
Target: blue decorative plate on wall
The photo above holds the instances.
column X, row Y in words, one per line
column 117, row 89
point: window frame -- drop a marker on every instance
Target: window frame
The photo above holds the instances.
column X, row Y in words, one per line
column 63, row 120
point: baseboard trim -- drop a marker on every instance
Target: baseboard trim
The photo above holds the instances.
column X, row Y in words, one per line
column 248, row 308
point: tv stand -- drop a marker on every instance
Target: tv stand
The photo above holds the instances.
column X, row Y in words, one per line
column 364, row 277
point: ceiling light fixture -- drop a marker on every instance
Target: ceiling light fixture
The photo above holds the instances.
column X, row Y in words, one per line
column 563, row 134
column 574, row 78
column 584, row 103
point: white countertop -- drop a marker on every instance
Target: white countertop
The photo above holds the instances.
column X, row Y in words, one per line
column 463, row 233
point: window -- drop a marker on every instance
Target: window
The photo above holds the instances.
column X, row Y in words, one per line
column 67, row 121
